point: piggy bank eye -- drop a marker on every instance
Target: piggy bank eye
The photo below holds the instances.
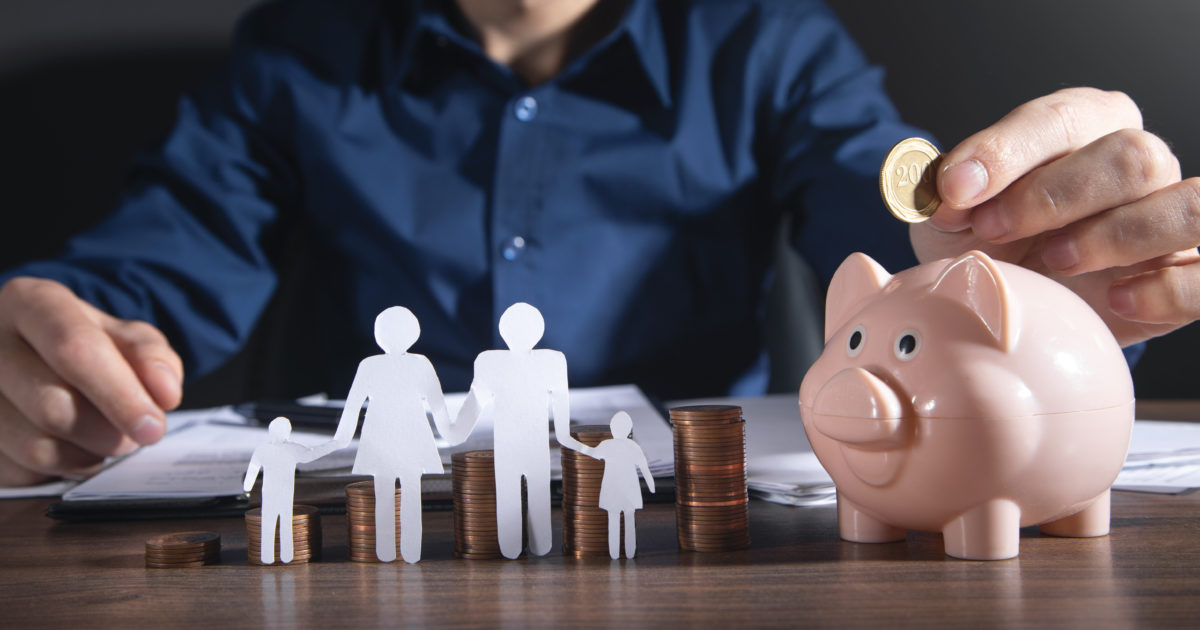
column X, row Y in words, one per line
column 854, row 344
column 908, row 344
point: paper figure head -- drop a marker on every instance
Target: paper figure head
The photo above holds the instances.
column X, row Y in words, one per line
column 280, row 429
column 621, row 425
column 521, row 326
column 396, row 329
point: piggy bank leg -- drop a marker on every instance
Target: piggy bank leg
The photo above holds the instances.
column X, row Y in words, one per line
column 1091, row 521
column 991, row 531
column 856, row 526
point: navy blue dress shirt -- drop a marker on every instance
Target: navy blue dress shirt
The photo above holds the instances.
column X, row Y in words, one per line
column 632, row 198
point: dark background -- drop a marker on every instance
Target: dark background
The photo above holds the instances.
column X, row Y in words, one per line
column 84, row 85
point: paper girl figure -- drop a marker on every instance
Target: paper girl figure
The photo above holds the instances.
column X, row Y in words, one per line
column 620, row 492
column 521, row 386
column 277, row 459
column 396, row 441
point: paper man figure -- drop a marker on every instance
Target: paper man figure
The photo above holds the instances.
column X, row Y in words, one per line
column 521, row 386
column 277, row 459
column 396, row 441
column 620, row 492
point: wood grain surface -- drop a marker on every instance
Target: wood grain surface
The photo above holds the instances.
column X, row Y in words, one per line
column 1146, row 573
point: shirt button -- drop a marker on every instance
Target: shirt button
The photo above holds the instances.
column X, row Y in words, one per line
column 513, row 248
column 525, row 109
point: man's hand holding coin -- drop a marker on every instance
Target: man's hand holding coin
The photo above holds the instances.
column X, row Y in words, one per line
column 1071, row 186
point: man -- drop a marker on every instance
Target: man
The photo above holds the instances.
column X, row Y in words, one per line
column 621, row 165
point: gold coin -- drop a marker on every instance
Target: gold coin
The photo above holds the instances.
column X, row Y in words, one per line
column 908, row 180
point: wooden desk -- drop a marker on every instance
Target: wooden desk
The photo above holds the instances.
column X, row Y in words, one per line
column 798, row 573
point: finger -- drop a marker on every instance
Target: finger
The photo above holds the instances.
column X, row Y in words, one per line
column 1117, row 169
column 1165, row 222
column 146, row 349
column 1033, row 134
column 41, row 453
column 53, row 407
column 12, row 474
column 74, row 346
column 1169, row 295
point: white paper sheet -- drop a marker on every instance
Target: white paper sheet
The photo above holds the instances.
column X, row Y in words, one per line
column 1164, row 457
column 781, row 466
column 198, row 458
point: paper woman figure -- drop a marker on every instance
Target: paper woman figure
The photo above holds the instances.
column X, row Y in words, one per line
column 396, row 441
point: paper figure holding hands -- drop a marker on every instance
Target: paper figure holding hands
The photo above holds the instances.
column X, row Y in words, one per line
column 277, row 460
column 396, row 441
column 620, row 492
column 521, row 386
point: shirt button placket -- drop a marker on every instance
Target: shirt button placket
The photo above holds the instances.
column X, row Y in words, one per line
column 519, row 175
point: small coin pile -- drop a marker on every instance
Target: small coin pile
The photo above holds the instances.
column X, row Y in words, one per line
column 183, row 550
column 711, row 504
column 473, row 481
column 360, row 518
column 585, row 525
column 908, row 180
column 306, row 536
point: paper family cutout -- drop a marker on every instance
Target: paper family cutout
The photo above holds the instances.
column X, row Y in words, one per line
column 521, row 388
column 620, row 492
column 277, row 460
column 396, row 442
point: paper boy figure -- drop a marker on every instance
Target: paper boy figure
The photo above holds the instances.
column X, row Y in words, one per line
column 521, row 386
column 396, row 441
column 620, row 492
column 277, row 459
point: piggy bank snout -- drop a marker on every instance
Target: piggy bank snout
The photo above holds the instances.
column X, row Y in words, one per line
column 859, row 409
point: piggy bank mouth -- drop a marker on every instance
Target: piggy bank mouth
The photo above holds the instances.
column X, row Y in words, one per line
column 867, row 419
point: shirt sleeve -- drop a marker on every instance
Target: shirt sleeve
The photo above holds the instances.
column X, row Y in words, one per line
column 830, row 124
column 189, row 246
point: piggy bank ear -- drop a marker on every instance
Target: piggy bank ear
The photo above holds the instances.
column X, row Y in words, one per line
column 856, row 280
column 975, row 280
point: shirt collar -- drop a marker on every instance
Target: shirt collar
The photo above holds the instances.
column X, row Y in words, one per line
column 429, row 22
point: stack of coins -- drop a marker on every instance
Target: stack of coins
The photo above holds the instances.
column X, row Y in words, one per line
column 182, row 550
column 711, row 504
column 473, row 478
column 585, row 525
column 306, row 535
column 360, row 517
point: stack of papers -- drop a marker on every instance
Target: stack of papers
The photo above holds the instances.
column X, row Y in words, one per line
column 205, row 453
column 1163, row 457
column 781, row 466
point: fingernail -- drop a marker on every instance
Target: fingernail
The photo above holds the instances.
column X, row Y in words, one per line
column 172, row 379
column 990, row 223
column 1120, row 300
column 126, row 447
column 963, row 182
column 1059, row 252
column 148, row 430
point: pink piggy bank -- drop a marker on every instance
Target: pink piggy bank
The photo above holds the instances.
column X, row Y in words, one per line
column 968, row 396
